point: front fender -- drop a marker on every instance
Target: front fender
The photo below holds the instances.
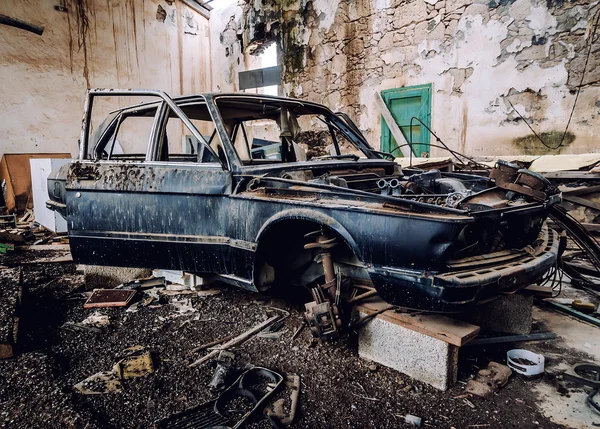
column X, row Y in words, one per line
column 313, row 216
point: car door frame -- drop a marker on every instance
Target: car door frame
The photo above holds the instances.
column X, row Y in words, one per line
column 91, row 172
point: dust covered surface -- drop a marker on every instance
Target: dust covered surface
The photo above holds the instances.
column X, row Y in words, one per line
column 338, row 390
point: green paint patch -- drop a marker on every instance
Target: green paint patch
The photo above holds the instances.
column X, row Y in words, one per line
column 531, row 145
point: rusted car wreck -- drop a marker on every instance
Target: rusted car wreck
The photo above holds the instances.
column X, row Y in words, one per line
column 225, row 185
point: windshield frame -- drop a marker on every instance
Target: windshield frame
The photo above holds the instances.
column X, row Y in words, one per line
column 357, row 140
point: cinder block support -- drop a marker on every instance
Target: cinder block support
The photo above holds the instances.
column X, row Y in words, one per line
column 417, row 355
column 509, row 314
column 100, row 277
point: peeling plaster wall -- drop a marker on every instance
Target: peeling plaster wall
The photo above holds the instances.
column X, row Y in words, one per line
column 156, row 44
column 226, row 45
column 478, row 54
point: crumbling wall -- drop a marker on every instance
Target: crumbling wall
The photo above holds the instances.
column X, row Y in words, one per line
column 480, row 56
column 158, row 44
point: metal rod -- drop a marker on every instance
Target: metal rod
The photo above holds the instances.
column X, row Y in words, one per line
column 578, row 314
column 23, row 25
column 537, row 336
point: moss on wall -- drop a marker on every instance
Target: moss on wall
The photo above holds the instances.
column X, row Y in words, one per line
column 531, row 145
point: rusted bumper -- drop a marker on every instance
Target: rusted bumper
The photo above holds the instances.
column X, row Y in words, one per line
column 468, row 281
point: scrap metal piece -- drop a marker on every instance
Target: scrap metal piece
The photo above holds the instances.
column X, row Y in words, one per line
column 109, row 298
column 222, row 370
column 137, row 362
column 278, row 409
column 489, row 381
column 586, row 374
column 213, row 414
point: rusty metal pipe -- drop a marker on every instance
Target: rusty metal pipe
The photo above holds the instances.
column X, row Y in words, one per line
column 23, row 25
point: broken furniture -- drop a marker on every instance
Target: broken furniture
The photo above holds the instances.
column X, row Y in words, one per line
column 422, row 346
column 15, row 178
column 40, row 170
column 11, row 294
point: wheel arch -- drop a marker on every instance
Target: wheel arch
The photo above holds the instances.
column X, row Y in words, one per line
column 317, row 218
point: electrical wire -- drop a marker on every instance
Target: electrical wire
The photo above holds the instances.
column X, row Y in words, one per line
column 591, row 41
column 449, row 150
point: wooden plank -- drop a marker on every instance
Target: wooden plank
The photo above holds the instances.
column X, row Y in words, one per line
column 570, row 175
column 583, row 190
column 541, row 291
column 37, row 247
column 50, row 260
column 237, row 340
column 109, row 298
column 391, row 122
column 441, row 327
column 582, row 202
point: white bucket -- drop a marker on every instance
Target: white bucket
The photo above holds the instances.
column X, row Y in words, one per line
column 529, row 370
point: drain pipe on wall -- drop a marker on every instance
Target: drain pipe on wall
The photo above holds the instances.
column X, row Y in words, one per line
column 13, row 22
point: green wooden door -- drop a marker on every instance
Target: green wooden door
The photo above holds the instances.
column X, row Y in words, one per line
column 406, row 103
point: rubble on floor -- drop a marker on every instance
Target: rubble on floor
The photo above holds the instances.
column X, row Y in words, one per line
column 336, row 386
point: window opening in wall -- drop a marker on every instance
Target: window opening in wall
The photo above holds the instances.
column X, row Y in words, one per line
column 263, row 74
column 269, row 59
column 404, row 104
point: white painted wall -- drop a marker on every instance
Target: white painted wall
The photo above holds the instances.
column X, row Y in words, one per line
column 43, row 82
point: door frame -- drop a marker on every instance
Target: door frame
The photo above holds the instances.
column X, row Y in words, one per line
column 389, row 95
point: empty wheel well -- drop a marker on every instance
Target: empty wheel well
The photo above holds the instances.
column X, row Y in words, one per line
column 282, row 260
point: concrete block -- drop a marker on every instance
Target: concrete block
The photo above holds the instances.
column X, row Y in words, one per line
column 101, row 277
column 509, row 314
column 417, row 355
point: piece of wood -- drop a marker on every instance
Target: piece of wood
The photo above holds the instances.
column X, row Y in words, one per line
column 237, row 340
column 50, row 260
column 38, row 247
column 571, row 175
column 443, row 328
column 583, row 190
column 109, row 298
column 582, row 202
column 540, row 291
column 391, row 123
column 213, row 343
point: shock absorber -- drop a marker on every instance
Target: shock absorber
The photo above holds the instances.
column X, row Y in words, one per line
column 322, row 314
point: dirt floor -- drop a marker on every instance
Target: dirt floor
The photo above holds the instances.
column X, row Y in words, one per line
column 338, row 388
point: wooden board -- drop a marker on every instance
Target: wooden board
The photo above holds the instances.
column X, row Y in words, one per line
column 441, row 327
column 391, row 123
column 541, row 291
column 109, row 298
